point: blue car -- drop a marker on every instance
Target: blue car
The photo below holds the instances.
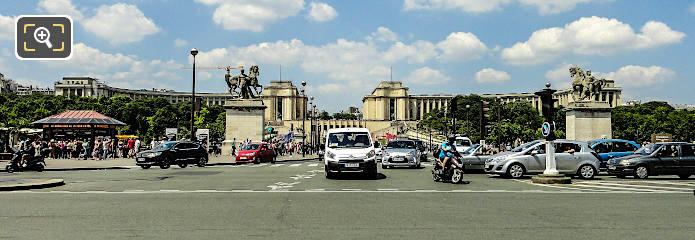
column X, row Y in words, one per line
column 612, row 148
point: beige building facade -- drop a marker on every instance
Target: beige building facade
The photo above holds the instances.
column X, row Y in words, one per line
column 391, row 101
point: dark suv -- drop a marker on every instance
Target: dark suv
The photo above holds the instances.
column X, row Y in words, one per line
column 175, row 152
column 656, row 159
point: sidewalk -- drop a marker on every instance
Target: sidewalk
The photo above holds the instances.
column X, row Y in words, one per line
column 127, row 163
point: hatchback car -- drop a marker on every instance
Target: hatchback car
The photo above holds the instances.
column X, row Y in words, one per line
column 572, row 158
column 608, row 149
column 656, row 159
column 475, row 157
column 401, row 153
column 256, row 153
column 174, row 152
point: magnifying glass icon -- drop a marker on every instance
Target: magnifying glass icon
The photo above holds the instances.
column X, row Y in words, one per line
column 42, row 35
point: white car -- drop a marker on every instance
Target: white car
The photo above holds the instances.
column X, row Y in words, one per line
column 350, row 150
column 462, row 144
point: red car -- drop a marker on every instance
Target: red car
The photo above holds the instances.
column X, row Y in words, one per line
column 256, row 153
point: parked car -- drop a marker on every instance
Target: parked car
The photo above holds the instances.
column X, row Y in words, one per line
column 475, row 157
column 656, row 159
column 612, row 148
column 421, row 148
column 572, row 157
column 401, row 153
column 256, row 153
column 379, row 151
column 180, row 153
column 462, row 144
column 349, row 150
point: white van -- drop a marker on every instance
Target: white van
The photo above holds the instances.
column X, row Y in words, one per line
column 349, row 150
column 462, row 144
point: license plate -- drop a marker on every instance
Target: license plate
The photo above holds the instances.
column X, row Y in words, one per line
column 352, row 165
column 611, row 167
column 399, row 159
column 141, row 159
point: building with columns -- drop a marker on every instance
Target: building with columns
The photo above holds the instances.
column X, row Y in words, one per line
column 391, row 101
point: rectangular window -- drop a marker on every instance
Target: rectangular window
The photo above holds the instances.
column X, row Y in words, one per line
column 392, row 109
column 688, row 150
column 278, row 109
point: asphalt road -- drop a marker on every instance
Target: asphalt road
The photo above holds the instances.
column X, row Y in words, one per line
column 295, row 201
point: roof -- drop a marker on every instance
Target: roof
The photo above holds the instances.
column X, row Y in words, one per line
column 79, row 117
column 335, row 130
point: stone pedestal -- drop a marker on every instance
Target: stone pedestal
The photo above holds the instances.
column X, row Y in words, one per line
column 245, row 120
column 551, row 179
column 588, row 120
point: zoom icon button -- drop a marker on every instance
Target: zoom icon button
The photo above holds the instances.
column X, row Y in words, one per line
column 43, row 37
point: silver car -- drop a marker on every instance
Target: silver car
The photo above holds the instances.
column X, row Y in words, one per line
column 572, row 158
column 475, row 157
column 401, row 153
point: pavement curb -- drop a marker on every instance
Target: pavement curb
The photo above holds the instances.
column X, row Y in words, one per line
column 46, row 183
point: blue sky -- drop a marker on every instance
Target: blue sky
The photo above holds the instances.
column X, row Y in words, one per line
column 343, row 49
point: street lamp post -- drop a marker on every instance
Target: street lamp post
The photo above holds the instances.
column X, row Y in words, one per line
column 303, row 119
column 194, row 52
column 468, row 130
column 311, row 124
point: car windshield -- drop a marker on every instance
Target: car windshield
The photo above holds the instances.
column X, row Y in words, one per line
column 524, row 146
column 470, row 150
column 462, row 142
column 348, row 140
column 164, row 146
column 251, row 147
column 647, row 149
column 401, row 144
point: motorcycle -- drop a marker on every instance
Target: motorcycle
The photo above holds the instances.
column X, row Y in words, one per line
column 32, row 163
column 453, row 172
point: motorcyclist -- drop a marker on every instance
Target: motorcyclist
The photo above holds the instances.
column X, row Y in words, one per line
column 448, row 151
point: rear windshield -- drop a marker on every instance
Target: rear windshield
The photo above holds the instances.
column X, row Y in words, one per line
column 462, row 142
column 401, row 144
column 251, row 147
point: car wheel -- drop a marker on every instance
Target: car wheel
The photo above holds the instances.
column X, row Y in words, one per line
column 256, row 161
column 145, row 166
column 641, row 172
column 202, row 162
column 586, row 172
column 436, row 177
column 620, row 176
column 273, row 160
column 372, row 174
column 166, row 163
column 515, row 171
column 39, row 168
column 418, row 165
column 329, row 175
column 183, row 165
column 457, row 176
column 684, row 176
column 9, row 169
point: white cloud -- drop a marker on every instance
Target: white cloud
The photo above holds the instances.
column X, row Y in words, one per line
column 544, row 7
column 474, row 6
column 426, row 76
column 632, row 76
column 180, row 42
column 252, row 15
column 461, row 47
column 118, row 69
column 560, row 76
column 589, row 36
column 120, row 23
column 63, row 7
column 321, row 12
column 6, row 27
column 418, row 52
column 489, row 75
column 383, row 34
column 692, row 8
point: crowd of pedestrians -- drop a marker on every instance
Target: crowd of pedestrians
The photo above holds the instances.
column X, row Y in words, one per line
column 100, row 148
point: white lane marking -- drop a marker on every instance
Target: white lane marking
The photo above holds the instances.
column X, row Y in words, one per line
column 620, row 188
column 313, row 165
column 278, row 165
column 281, row 186
column 387, row 189
column 356, row 191
column 137, row 190
column 691, row 184
column 300, row 176
column 168, row 190
column 351, row 189
column 425, row 190
column 638, row 186
column 316, row 190
column 259, row 165
column 295, row 165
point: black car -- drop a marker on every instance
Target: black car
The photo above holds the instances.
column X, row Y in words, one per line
column 175, row 152
column 656, row 159
column 421, row 147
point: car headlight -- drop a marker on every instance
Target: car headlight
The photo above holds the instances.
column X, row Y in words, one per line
column 371, row 154
column 330, row 155
column 154, row 154
column 625, row 162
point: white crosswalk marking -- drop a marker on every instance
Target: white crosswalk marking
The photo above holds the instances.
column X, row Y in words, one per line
column 654, row 186
column 295, row 165
column 313, row 165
